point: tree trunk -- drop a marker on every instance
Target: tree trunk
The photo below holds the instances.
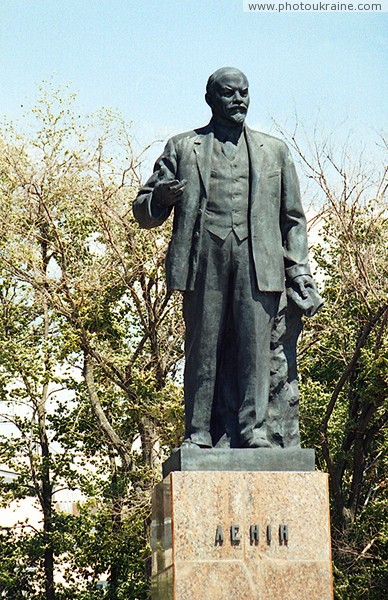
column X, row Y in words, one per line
column 46, row 497
column 116, row 508
column 116, row 442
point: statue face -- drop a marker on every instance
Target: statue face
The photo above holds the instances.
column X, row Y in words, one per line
column 229, row 99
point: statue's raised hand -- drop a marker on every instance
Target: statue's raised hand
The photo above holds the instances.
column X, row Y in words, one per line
column 167, row 193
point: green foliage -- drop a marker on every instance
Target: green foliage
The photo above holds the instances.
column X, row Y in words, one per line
column 360, row 554
column 91, row 549
column 344, row 377
column 19, row 573
column 91, row 348
column 90, row 353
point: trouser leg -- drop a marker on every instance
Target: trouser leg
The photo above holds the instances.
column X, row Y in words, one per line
column 253, row 316
column 204, row 311
column 226, row 292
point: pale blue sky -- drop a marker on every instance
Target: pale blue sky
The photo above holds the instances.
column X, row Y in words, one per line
column 150, row 60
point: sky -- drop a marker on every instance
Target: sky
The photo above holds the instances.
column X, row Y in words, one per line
column 150, row 60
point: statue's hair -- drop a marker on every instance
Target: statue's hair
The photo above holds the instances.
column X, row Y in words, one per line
column 214, row 77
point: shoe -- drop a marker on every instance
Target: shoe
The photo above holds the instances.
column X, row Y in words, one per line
column 192, row 445
column 201, row 440
column 257, row 443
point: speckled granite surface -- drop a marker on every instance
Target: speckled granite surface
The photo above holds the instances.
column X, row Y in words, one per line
column 190, row 564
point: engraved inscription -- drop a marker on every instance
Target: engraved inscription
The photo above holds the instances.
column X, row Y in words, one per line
column 254, row 534
column 219, row 535
column 235, row 536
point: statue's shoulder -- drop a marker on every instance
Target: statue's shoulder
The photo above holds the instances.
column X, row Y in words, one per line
column 265, row 138
column 189, row 135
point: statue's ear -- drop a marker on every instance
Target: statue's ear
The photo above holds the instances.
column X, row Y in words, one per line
column 208, row 99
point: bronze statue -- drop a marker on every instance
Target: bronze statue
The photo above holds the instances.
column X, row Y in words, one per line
column 239, row 235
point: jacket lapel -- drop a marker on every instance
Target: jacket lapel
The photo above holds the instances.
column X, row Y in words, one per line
column 255, row 151
column 203, row 148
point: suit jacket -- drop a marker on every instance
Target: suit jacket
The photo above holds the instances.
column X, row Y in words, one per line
column 277, row 223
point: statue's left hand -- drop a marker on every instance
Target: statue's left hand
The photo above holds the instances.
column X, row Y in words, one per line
column 303, row 292
column 303, row 283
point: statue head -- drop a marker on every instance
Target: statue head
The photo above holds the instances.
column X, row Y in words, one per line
column 228, row 96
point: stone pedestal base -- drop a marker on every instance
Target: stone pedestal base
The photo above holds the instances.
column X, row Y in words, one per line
column 241, row 536
column 240, row 459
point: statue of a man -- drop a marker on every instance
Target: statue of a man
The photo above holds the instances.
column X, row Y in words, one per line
column 239, row 234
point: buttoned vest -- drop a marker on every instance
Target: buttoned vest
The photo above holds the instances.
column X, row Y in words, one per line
column 228, row 201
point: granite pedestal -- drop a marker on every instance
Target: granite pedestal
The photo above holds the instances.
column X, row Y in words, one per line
column 241, row 535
